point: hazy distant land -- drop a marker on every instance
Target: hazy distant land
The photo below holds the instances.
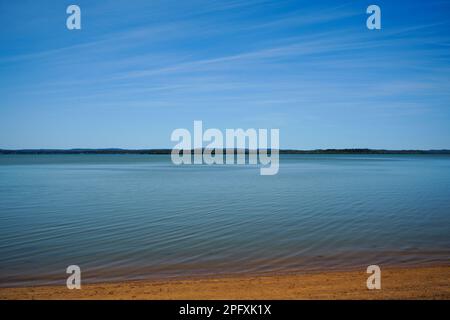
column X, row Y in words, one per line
column 168, row 151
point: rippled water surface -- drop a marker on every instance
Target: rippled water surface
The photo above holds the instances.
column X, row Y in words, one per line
column 138, row 216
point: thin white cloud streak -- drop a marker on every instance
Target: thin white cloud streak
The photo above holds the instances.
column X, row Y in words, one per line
column 333, row 49
column 333, row 42
column 175, row 29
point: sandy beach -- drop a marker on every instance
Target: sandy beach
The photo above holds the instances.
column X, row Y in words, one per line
column 397, row 283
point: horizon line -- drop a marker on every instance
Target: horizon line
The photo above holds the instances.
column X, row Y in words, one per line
column 236, row 150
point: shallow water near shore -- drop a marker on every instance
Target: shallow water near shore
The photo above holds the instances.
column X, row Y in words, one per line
column 125, row 217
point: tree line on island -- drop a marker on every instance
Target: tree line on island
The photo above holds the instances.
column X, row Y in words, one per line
column 168, row 151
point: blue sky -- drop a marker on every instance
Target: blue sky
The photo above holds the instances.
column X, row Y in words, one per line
column 137, row 70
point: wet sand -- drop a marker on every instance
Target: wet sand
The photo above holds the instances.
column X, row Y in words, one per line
column 396, row 283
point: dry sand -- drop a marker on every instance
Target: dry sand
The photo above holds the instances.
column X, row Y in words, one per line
column 397, row 283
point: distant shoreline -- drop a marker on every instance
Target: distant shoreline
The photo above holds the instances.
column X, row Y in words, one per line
column 168, row 151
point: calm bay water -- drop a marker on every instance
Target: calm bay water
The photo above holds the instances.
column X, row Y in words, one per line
column 123, row 217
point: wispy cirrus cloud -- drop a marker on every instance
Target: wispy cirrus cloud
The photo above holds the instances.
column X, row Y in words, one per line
column 231, row 60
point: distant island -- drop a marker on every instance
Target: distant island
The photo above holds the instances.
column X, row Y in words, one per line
column 168, row 151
